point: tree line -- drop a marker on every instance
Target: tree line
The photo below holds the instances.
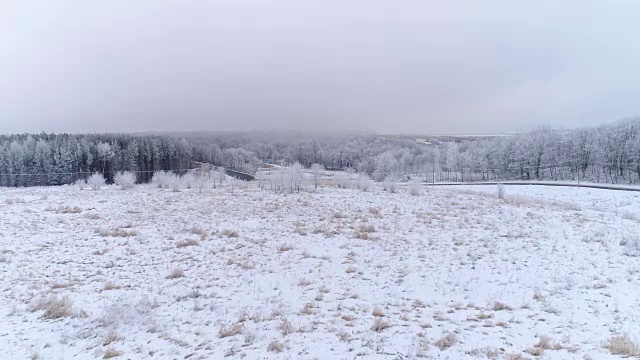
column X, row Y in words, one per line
column 56, row 159
column 608, row 154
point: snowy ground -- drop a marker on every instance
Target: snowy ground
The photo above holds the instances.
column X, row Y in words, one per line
column 454, row 273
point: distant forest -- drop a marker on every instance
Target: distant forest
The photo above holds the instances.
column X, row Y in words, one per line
column 608, row 153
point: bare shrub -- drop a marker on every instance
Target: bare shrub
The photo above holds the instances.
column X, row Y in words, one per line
column 623, row 345
column 186, row 243
column 125, row 179
column 447, row 341
column 96, row 181
column 176, row 273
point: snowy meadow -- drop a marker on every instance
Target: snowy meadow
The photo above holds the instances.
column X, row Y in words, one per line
column 329, row 273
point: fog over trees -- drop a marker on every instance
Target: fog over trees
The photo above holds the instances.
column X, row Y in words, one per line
column 608, row 154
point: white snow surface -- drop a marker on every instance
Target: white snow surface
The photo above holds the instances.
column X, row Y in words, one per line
column 312, row 271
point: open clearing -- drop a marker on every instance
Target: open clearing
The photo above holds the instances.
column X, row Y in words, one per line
column 454, row 273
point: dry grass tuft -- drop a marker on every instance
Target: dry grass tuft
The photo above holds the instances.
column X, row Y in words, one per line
column 54, row 307
column 363, row 232
column 110, row 286
column 93, row 216
column 186, row 243
column 498, row 306
column 284, row 247
column 230, row 233
column 111, row 353
column 176, row 273
column 379, row 324
column 229, row 330
column 198, row 231
column 116, row 232
column 307, row 309
column 286, row 327
column 447, row 341
column 623, row 345
column 110, row 338
column 68, row 210
column 275, row 346
column 377, row 312
column 375, row 212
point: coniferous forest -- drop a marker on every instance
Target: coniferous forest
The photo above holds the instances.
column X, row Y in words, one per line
column 605, row 154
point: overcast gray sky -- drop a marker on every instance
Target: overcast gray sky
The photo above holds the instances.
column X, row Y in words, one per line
column 393, row 66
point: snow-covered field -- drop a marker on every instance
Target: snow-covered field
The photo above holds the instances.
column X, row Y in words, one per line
column 454, row 273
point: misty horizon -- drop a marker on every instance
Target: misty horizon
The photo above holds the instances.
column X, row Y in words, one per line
column 405, row 67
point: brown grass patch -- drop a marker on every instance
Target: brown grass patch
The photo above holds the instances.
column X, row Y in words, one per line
column 622, row 345
column 176, row 273
column 447, row 341
column 186, row 243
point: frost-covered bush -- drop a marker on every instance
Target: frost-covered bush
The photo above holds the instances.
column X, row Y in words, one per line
column 201, row 182
column 295, row 177
column 390, row 183
column 125, row 179
column 161, row 179
column 81, row 183
column 501, row 191
column 415, row 187
column 220, row 176
column 631, row 244
column 174, row 182
column 363, row 182
column 188, row 180
column 343, row 180
column 96, row 181
column 316, row 172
